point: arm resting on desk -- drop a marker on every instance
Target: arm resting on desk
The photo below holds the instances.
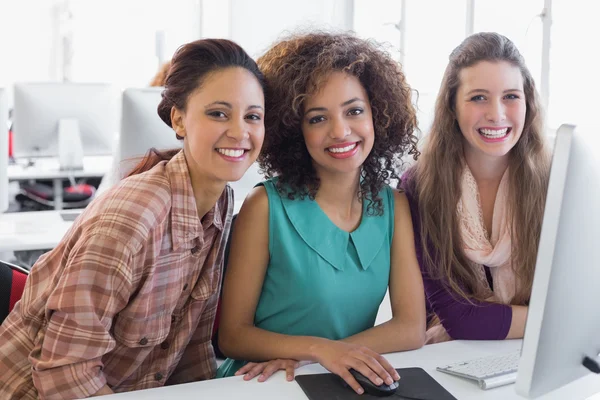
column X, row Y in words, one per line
column 248, row 262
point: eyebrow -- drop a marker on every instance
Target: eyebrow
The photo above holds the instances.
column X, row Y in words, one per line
column 487, row 91
column 228, row 105
column 344, row 104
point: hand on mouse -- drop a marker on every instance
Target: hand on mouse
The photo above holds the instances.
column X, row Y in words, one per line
column 268, row 368
column 339, row 357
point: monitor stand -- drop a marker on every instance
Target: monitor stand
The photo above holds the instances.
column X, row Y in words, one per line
column 70, row 149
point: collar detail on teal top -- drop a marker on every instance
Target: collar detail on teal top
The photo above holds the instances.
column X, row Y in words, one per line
column 320, row 233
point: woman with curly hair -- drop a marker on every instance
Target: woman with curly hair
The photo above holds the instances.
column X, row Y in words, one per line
column 317, row 245
column 477, row 194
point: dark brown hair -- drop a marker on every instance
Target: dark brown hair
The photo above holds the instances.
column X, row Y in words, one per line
column 191, row 64
column 440, row 167
column 297, row 67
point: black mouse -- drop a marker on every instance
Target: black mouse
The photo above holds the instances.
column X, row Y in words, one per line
column 371, row 388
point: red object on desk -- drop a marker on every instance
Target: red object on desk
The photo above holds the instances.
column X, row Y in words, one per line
column 10, row 143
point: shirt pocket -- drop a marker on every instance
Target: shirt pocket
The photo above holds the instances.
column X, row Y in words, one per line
column 142, row 332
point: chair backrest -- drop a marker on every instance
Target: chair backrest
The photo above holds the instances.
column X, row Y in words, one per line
column 12, row 284
column 215, row 337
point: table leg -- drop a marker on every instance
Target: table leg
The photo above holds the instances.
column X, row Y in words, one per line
column 58, row 194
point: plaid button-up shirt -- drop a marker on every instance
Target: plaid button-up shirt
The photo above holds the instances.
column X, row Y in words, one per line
column 128, row 298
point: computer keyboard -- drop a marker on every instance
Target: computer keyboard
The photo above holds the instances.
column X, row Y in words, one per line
column 489, row 372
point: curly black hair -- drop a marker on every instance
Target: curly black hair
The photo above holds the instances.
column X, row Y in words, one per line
column 296, row 67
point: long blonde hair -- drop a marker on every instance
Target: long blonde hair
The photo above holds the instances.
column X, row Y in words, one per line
column 439, row 170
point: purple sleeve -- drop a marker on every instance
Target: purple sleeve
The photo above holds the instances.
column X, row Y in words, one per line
column 461, row 319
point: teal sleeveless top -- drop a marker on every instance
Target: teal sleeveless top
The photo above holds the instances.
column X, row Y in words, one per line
column 321, row 280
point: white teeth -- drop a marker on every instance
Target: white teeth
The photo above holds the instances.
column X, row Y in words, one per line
column 342, row 149
column 231, row 152
column 494, row 133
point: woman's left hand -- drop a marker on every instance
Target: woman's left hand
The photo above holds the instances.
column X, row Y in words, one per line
column 268, row 368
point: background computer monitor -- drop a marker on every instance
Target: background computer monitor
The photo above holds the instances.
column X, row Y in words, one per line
column 563, row 323
column 38, row 108
column 142, row 129
column 3, row 151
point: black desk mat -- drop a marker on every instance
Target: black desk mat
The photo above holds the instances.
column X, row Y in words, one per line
column 415, row 383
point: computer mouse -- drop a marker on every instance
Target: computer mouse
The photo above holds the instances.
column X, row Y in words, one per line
column 371, row 388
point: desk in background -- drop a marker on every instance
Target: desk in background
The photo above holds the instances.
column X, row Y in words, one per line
column 49, row 168
column 35, row 230
column 32, row 230
column 428, row 358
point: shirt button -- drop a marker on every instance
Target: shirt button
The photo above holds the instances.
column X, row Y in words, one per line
column 164, row 345
column 144, row 341
column 185, row 287
column 158, row 376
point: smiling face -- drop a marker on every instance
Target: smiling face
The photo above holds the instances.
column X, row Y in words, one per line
column 490, row 108
column 338, row 125
column 222, row 124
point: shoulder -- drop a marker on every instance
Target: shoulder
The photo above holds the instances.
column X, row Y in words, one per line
column 133, row 208
column 408, row 180
column 401, row 205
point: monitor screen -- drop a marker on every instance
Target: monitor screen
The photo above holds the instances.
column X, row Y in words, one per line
column 39, row 108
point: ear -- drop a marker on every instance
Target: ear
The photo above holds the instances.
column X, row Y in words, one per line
column 177, row 121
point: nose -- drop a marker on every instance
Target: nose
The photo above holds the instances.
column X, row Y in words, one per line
column 339, row 129
column 496, row 111
column 238, row 131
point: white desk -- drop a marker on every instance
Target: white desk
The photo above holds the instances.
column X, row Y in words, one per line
column 49, row 168
column 428, row 358
column 35, row 230
column 32, row 230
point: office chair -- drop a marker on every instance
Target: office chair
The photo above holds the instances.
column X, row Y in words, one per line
column 215, row 336
column 40, row 196
column 12, row 284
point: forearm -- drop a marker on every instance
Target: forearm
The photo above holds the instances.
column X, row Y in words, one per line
column 391, row 336
column 517, row 324
column 104, row 391
column 262, row 345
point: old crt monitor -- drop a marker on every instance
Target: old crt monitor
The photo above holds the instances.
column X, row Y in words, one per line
column 562, row 336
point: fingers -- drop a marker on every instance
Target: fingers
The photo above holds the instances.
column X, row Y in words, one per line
column 266, row 369
column 270, row 369
column 378, row 373
column 245, row 369
column 388, row 367
column 254, row 371
column 289, row 370
column 349, row 379
column 367, row 371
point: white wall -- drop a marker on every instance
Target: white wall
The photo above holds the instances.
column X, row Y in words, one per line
column 27, row 36
column 255, row 25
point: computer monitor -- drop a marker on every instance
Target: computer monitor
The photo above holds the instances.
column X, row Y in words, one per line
column 3, row 151
column 39, row 109
column 141, row 127
column 563, row 322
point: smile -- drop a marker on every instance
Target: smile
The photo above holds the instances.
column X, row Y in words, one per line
column 232, row 153
column 344, row 149
column 494, row 133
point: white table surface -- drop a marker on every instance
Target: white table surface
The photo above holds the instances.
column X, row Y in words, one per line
column 427, row 358
column 49, row 168
column 36, row 230
column 32, row 230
